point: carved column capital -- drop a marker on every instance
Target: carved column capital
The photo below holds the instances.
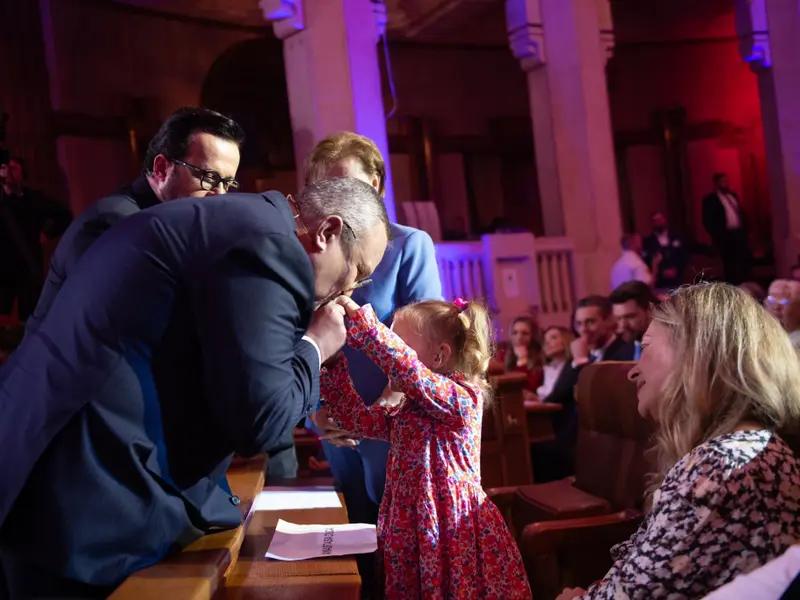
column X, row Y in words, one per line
column 381, row 15
column 607, row 42
column 753, row 29
column 286, row 16
column 526, row 33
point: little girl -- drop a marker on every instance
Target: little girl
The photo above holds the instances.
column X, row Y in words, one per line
column 438, row 534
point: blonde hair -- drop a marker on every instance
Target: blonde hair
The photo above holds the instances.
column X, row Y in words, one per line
column 734, row 364
column 467, row 330
column 341, row 145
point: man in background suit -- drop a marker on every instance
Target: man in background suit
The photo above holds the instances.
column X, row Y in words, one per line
column 408, row 273
column 596, row 342
column 194, row 154
column 187, row 335
column 25, row 216
column 724, row 221
column 665, row 253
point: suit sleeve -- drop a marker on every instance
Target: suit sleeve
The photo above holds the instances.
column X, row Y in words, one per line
column 261, row 377
column 418, row 276
column 563, row 391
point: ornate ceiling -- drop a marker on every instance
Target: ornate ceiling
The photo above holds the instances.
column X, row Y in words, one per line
column 419, row 19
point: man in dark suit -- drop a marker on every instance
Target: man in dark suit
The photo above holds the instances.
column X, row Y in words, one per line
column 187, row 335
column 596, row 342
column 724, row 221
column 194, row 154
column 25, row 216
column 665, row 253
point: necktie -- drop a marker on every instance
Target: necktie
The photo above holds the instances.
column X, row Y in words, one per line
column 637, row 350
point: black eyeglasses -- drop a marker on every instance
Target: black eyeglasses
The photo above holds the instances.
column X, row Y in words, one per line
column 209, row 180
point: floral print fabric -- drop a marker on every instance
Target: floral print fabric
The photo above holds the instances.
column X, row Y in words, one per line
column 439, row 536
column 729, row 506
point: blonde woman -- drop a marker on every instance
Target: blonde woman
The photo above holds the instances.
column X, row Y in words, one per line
column 720, row 377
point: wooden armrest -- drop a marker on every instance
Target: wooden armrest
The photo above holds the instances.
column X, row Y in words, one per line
column 199, row 570
column 502, row 496
column 547, row 537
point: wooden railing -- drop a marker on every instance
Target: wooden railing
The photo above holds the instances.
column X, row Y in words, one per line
column 513, row 273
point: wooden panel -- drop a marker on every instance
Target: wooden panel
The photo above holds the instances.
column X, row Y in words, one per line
column 198, row 572
column 645, row 172
column 505, row 451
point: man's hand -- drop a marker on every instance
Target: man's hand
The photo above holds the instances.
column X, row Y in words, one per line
column 327, row 329
column 580, row 349
column 349, row 305
column 330, row 430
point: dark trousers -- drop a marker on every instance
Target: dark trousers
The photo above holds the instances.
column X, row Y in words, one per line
column 282, row 464
column 22, row 289
column 24, row 581
column 734, row 251
column 360, row 475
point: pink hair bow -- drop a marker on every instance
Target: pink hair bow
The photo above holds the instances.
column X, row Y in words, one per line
column 460, row 303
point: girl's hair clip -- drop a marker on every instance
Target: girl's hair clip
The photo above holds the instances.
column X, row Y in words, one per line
column 460, row 303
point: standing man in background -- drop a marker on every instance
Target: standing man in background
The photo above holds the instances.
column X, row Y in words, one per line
column 665, row 253
column 25, row 216
column 724, row 221
column 408, row 273
column 195, row 153
column 631, row 266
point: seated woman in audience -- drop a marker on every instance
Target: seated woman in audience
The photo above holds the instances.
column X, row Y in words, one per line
column 720, row 378
column 523, row 352
column 557, row 353
column 783, row 303
column 439, row 536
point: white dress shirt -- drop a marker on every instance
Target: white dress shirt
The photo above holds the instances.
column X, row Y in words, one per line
column 551, row 372
column 630, row 267
column 731, row 206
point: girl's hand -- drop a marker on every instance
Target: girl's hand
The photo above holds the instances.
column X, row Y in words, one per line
column 349, row 305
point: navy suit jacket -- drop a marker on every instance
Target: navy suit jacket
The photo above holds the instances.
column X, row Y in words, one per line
column 174, row 343
column 82, row 233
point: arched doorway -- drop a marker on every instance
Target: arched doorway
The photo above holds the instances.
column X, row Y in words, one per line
column 248, row 83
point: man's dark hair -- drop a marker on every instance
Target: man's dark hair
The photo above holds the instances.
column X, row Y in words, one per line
column 719, row 177
column 598, row 301
column 634, row 290
column 173, row 138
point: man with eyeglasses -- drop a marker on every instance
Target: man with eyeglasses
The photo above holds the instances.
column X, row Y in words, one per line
column 195, row 153
column 195, row 330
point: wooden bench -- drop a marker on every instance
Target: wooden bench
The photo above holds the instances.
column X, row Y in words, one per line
column 198, row 572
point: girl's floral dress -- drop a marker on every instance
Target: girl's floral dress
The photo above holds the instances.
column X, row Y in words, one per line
column 439, row 536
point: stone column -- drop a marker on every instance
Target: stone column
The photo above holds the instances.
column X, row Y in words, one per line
column 770, row 32
column 330, row 50
column 563, row 46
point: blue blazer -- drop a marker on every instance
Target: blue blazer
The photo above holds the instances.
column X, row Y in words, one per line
column 82, row 233
column 407, row 273
column 175, row 342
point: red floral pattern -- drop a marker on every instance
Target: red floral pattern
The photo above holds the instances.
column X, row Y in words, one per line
column 439, row 536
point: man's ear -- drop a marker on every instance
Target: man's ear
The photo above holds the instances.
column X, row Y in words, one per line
column 329, row 230
column 162, row 167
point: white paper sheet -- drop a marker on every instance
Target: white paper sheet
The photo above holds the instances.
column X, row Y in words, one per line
column 291, row 498
column 300, row 542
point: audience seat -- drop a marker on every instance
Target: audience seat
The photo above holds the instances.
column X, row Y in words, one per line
column 610, row 456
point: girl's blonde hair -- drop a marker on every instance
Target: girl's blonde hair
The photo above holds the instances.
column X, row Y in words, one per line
column 734, row 363
column 467, row 329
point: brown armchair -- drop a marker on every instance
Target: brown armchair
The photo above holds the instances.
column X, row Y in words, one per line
column 573, row 552
column 610, row 456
